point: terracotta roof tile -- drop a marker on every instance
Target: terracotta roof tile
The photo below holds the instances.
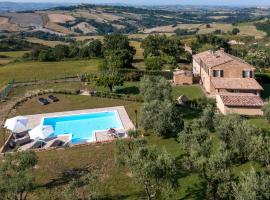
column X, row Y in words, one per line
column 212, row 59
column 236, row 83
column 241, row 100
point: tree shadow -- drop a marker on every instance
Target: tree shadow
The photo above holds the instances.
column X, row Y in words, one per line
column 66, row 176
column 189, row 113
column 197, row 192
column 137, row 195
column 129, row 90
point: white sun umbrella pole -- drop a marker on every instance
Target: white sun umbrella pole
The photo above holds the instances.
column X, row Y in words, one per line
column 41, row 132
column 17, row 124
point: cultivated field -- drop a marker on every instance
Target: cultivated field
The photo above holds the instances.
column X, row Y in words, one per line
column 45, row 42
column 139, row 50
column 60, row 18
column 10, row 56
column 245, row 29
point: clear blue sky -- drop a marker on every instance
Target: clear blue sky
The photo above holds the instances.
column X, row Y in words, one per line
column 163, row 2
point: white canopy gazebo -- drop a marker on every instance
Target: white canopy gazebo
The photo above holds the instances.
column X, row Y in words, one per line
column 41, row 132
column 17, row 124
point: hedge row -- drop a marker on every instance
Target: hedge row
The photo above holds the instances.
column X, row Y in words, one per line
column 166, row 74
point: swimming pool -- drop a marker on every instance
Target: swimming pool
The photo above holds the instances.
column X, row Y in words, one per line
column 83, row 126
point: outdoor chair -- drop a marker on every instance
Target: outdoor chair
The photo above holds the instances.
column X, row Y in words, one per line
column 43, row 101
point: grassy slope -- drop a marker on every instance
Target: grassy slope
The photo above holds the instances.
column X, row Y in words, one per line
column 53, row 163
column 44, row 70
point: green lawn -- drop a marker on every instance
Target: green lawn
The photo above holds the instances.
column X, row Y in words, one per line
column 34, row 70
column 191, row 91
column 260, row 122
column 52, row 164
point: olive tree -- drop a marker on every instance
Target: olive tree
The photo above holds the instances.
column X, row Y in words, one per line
column 159, row 112
column 236, row 132
column 266, row 111
column 154, row 170
column 16, row 180
column 155, row 88
column 162, row 117
column 252, row 185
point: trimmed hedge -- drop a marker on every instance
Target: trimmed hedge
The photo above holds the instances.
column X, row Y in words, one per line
column 166, row 74
column 263, row 78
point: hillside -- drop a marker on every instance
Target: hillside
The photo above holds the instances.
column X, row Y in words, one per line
column 95, row 20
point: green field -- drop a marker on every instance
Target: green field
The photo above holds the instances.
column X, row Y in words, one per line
column 45, row 42
column 26, row 71
column 10, row 56
column 247, row 29
column 13, row 54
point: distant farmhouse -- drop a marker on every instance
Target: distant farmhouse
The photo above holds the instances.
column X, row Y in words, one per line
column 231, row 80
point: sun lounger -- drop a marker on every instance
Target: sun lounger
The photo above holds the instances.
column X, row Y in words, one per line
column 38, row 144
column 54, row 143
column 53, row 98
column 34, row 144
column 43, row 101
column 23, row 140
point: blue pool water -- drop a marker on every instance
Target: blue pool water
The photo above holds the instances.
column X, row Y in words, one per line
column 83, row 126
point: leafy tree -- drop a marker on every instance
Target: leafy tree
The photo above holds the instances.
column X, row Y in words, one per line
column 153, row 63
column 217, row 174
column 154, row 170
column 110, row 79
column 118, row 58
column 117, row 42
column 195, row 143
column 159, row 112
column 61, row 51
column 85, row 186
column 260, row 152
column 161, row 45
column 162, row 117
column 252, row 186
column 258, row 56
column 266, row 111
column 151, row 45
column 116, row 46
column 236, row 133
column 199, row 157
column 95, row 49
column 235, row 31
column 207, row 117
column 155, row 88
column 15, row 178
column 73, row 51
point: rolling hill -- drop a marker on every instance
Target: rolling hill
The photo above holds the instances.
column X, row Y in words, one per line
column 88, row 19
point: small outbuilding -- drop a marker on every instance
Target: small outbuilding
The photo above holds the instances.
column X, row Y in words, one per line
column 182, row 77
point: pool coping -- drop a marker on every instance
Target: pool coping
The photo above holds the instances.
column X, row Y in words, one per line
column 35, row 120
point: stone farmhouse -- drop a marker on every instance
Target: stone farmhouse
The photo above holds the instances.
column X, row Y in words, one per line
column 230, row 80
